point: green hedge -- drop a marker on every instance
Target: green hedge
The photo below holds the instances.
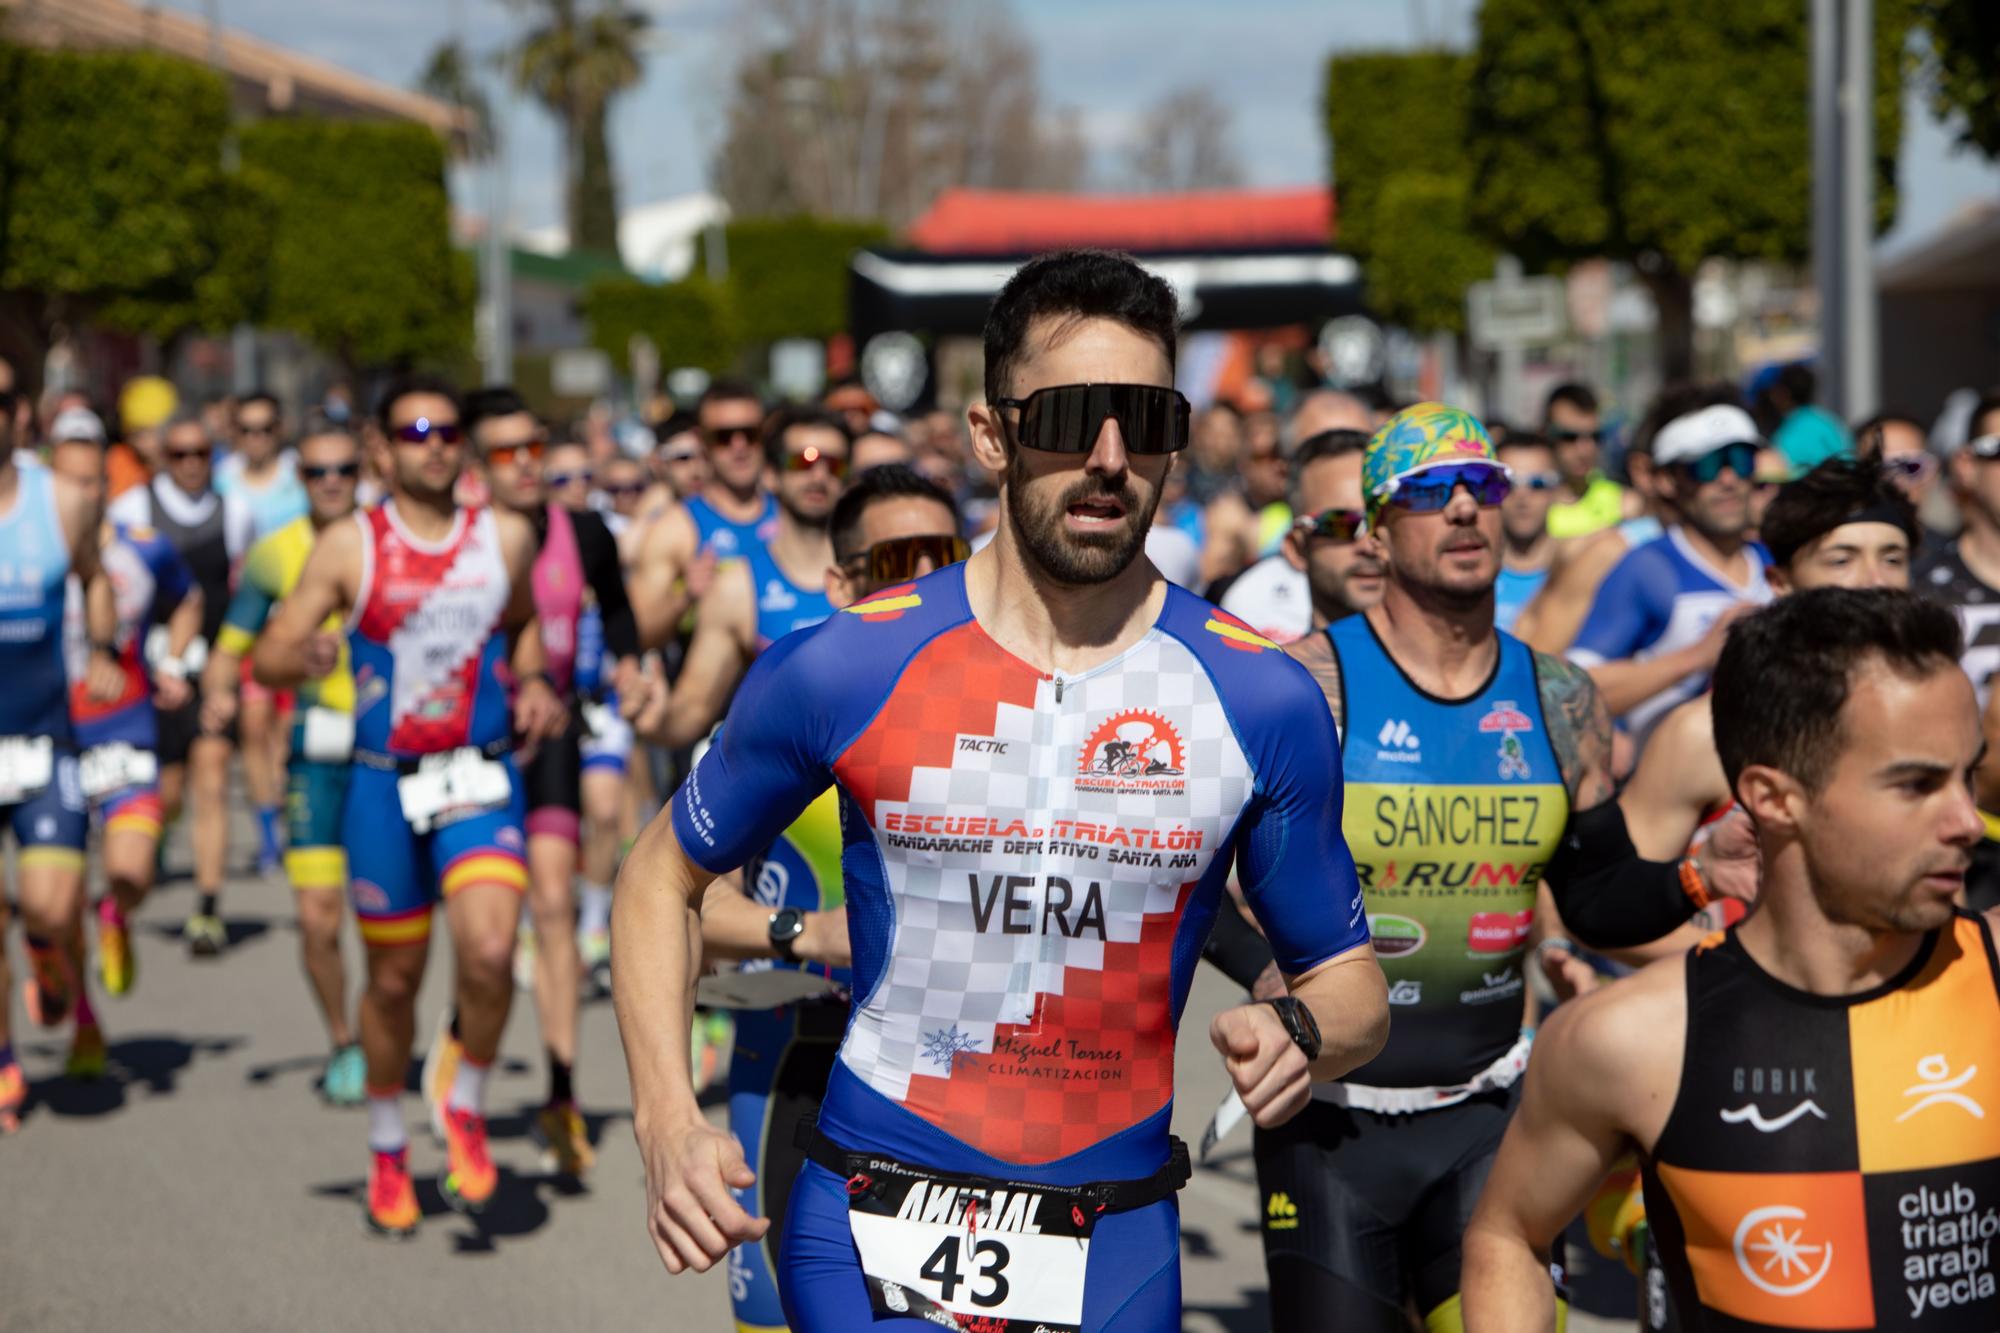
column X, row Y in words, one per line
column 788, row 276
column 690, row 322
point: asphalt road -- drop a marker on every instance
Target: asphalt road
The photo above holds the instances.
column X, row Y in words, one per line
column 203, row 1185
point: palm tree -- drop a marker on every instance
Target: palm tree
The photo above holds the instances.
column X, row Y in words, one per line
column 575, row 61
column 448, row 76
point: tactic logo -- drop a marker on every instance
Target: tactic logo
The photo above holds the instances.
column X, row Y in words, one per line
column 1135, row 751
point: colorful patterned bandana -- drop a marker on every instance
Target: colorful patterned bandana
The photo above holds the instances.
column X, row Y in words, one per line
column 1422, row 436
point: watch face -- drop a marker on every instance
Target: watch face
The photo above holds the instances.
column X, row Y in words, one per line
column 788, row 924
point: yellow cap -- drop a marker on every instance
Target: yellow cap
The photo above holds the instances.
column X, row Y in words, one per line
column 145, row 402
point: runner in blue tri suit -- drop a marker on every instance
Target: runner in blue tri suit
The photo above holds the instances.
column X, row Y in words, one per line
column 1048, row 762
column 778, row 586
column 48, row 528
column 733, row 513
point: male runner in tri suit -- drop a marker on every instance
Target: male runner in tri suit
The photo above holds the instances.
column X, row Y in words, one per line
column 321, row 752
column 1048, row 760
column 118, row 739
column 48, row 528
column 212, row 533
column 1465, row 755
column 576, row 558
column 734, row 512
column 431, row 595
column 776, row 587
column 1812, row 1093
column 263, row 473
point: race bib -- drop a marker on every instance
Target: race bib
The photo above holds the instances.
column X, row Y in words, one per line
column 452, row 786
column 329, row 735
column 104, row 769
column 27, row 764
column 966, row 1254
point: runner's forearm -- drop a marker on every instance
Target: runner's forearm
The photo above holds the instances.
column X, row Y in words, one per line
column 1628, row 683
column 653, row 931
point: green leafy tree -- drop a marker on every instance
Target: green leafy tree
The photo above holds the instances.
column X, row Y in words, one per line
column 576, row 61
column 1397, row 124
column 361, row 259
column 1964, row 66
column 1662, row 132
column 114, row 204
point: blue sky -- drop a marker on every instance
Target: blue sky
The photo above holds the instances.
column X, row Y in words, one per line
column 1108, row 59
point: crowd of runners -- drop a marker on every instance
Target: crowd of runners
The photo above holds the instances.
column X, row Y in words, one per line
column 1603, row 862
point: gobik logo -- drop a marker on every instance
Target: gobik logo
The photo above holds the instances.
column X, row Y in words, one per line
column 1136, row 751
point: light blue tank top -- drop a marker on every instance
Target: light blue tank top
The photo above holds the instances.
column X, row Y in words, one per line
column 34, row 569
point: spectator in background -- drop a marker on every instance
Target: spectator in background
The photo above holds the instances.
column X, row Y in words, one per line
column 568, row 473
column 218, row 410
column 1244, row 525
column 144, row 404
column 1589, row 501
column 873, row 447
column 678, row 463
column 1526, row 548
column 1657, row 626
column 1808, row 434
column 1327, row 567
column 1214, row 456
column 1965, row 575
column 1898, row 441
column 621, row 485
column 848, row 398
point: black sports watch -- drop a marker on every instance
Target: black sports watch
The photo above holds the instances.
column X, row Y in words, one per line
column 1299, row 1023
column 787, row 924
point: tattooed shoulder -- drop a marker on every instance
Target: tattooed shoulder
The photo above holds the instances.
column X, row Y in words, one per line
column 1315, row 653
column 1579, row 729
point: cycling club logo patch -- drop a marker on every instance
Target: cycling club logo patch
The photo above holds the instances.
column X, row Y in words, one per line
column 1509, row 721
column 1135, row 751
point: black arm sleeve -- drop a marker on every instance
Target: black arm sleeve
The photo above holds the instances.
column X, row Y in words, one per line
column 606, row 575
column 1610, row 897
column 1235, row 947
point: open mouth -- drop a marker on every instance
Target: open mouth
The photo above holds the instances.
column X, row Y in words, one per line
column 1096, row 511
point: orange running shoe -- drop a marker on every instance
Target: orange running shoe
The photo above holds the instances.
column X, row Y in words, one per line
column 13, row 1094
column 392, row 1199
column 47, row 991
column 468, row 1186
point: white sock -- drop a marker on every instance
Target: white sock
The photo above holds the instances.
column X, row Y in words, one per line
column 468, row 1088
column 596, row 899
column 385, row 1123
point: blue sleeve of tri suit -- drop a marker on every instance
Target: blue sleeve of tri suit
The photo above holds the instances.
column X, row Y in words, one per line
column 769, row 761
column 1292, row 858
column 1623, row 618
